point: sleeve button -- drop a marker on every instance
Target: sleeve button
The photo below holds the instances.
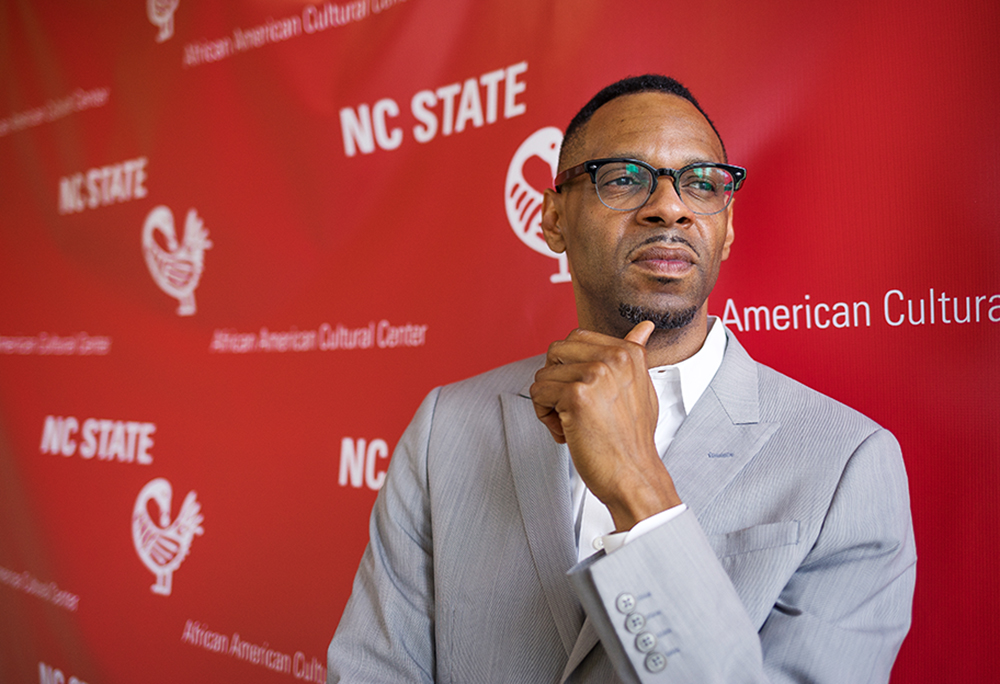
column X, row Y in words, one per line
column 656, row 661
column 635, row 622
column 625, row 603
column 645, row 642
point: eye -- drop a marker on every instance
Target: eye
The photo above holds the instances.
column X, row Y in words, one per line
column 700, row 185
column 622, row 177
column 622, row 180
column 705, row 182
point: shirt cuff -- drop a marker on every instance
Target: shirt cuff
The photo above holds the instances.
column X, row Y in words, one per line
column 614, row 541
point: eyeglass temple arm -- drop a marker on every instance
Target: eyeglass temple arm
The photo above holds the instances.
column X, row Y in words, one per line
column 568, row 175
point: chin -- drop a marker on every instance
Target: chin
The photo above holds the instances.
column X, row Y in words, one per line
column 663, row 319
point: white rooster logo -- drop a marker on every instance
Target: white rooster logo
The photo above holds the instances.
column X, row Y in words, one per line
column 524, row 202
column 162, row 547
column 177, row 269
column 161, row 13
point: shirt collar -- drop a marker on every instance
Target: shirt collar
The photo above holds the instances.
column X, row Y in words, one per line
column 697, row 371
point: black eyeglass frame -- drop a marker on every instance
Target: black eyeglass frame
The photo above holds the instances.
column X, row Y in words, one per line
column 591, row 167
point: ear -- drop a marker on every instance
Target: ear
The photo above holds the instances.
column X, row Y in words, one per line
column 730, row 236
column 552, row 221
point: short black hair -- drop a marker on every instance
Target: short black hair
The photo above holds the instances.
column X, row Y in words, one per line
column 629, row 86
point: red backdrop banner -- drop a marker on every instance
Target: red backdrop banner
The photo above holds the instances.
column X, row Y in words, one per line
column 240, row 242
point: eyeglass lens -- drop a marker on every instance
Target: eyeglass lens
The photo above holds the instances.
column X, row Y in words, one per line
column 625, row 186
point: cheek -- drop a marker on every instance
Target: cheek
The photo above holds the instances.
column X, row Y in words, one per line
column 583, row 258
column 592, row 243
column 718, row 237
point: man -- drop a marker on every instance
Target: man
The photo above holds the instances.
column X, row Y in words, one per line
column 753, row 530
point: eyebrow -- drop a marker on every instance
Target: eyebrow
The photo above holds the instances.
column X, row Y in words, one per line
column 685, row 162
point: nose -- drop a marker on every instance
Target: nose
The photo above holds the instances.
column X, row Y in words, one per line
column 664, row 206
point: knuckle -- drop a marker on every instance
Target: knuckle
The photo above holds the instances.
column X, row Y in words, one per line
column 596, row 372
column 620, row 356
column 577, row 394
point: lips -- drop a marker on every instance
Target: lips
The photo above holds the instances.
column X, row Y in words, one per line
column 663, row 260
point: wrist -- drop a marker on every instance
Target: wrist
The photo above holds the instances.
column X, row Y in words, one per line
column 653, row 494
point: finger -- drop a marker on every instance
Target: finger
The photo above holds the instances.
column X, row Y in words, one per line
column 552, row 422
column 565, row 351
column 555, row 402
column 569, row 371
column 550, row 419
column 547, row 396
column 640, row 333
column 582, row 346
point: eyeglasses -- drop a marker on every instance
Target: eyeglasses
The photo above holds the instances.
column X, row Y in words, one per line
column 626, row 184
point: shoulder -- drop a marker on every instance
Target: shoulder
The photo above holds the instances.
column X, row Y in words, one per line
column 475, row 403
column 512, row 378
column 796, row 406
column 780, row 393
column 462, row 423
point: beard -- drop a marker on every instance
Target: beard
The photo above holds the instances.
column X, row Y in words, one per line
column 663, row 320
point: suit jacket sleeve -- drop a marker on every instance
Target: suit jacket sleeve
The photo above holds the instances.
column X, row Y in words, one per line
column 386, row 633
column 840, row 616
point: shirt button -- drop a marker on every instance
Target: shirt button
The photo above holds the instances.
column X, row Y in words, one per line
column 625, row 603
column 635, row 622
column 645, row 642
column 656, row 661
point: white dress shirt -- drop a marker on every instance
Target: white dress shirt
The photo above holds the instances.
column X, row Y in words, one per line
column 678, row 388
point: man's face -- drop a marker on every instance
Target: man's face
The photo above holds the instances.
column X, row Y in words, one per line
column 662, row 257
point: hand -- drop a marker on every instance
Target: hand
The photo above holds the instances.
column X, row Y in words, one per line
column 594, row 395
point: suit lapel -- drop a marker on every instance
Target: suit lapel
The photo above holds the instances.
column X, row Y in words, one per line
column 584, row 644
column 540, row 470
column 722, row 433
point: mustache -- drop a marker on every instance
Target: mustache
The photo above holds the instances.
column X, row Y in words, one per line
column 669, row 238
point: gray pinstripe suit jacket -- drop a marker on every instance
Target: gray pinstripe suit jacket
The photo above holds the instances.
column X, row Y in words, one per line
column 794, row 563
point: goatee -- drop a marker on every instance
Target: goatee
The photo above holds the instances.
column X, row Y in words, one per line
column 663, row 320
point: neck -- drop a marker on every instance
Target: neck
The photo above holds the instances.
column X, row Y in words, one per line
column 667, row 347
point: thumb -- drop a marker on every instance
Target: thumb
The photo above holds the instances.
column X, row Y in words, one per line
column 640, row 333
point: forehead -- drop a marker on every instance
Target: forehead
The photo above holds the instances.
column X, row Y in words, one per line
column 663, row 129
